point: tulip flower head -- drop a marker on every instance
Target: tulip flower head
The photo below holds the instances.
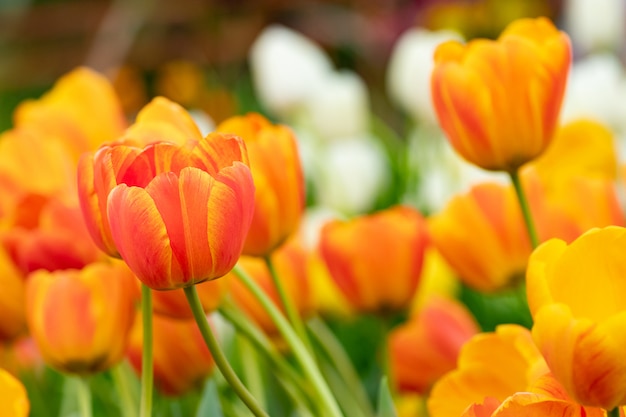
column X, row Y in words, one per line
column 177, row 214
column 499, row 101
column 575, row 294
column 376, row 260
column 13, row 396
column 278, row 177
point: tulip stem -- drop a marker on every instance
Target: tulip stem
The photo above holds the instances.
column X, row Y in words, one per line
column 120, row 374
column 613, row 413
column 218, row 355
column 83, row 394
column 147, row 371
column 300, row 352
column 231, row 313
column 290, row 310
column 523, row 202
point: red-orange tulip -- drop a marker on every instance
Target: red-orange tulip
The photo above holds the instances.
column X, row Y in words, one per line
column 499, row 101
column 81, row 319
column 12, row 299
column 427, row 346
column 178, row 215
column 278, row 177
column 181, row 359
column 376, row 260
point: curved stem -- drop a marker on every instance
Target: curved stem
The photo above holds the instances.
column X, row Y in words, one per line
column 523, row 202
column 120, row 379
column 260, row 341
column 300, row 352
column 292, row 313
column 218, row 355
column 83, row 394
column 147, row 370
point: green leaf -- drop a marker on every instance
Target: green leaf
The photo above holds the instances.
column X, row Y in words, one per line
column 210, row 401
column 385, row 400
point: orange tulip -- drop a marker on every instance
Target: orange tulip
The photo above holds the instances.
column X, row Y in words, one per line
column 575, row 296
column 545, row 397
column 491, row 365
column 13, row 396
column 181, row 359
column 499, row 101
column 482, row 235
column 12, row 299
column 290, row 262
column 178, row 215
column 427, row 346
column 277, row 173
column 81, row 319
column 82, row 108
column 376, row 260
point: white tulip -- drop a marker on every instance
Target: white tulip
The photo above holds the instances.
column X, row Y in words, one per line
column 410, row 68
column 595, row 24
column 286, row 67
column 352, row 174
column 596, row 90
column 339, row 107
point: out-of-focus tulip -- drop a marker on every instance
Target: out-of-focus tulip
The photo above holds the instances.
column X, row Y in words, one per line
column 82, row 108
column 427, row 346
column 278, row 178
column 481, row 234
column 12, row 299
column 376, row 260
column 438, row 280
column 595, row 25
column 545, row 397
column 499, row 101
column 340, row 107
column 410, row 68
column 290, row 263
column 81, row 319
column 286, row 68
column 22, row 356
column 129, row 86
column 48, row 233
column 580, row 148
column 180, row 81
column 491, row 365
column 574, row 294
column 174, row 303
column 162, row 120
column 178, row 215
column 13, row 396
column 181, row 359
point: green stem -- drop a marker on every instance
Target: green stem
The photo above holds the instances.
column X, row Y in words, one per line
column 300, row 352
column 251, row 369
column 218, row 355
column 147, row 370
column 83, row 394
column 120, row 376
column 263, row 345
column 292, row 313
column 341, row 362
column 523, row 202
column 613, row 413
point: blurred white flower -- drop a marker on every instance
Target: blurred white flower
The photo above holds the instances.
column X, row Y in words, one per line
column 204, row 122
column 286, row 68
column 595, row 25
column 339, row 107
column 352, row 174
column 410, row 68
column 596, row 90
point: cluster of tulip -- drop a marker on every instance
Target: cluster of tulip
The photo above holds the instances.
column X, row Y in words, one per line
column 128, row 246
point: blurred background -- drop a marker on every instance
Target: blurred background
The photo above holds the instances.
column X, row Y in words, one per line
column 158, row 47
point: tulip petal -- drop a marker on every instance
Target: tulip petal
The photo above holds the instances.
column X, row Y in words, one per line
column 141, row 237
